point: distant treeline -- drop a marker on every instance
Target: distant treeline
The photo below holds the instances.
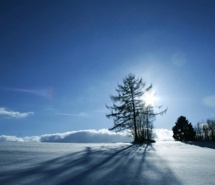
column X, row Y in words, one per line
column 205, row 131
column 183, row 130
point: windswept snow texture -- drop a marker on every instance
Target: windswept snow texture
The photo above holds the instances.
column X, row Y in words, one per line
column 163, row 163
column 88, row 136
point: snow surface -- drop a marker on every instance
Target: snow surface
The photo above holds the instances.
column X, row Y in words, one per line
column 161, row 163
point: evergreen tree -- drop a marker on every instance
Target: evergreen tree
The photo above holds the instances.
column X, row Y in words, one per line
column 183, row 130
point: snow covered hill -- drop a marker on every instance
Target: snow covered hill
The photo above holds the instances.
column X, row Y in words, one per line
column 163, row 163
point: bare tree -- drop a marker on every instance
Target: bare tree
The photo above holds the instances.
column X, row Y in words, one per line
column 206, row 130
column 211, row 128
column 129, row 111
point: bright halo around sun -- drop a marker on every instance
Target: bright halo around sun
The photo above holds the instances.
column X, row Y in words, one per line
column 150, row 99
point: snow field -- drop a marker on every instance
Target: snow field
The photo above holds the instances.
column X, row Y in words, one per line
column 162, row 163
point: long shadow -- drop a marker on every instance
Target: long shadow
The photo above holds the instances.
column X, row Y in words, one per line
column 204, row 144
column 109, row 160
column 133, row 164
column 58, row 166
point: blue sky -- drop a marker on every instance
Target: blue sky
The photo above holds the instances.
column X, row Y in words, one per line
column 60, row 60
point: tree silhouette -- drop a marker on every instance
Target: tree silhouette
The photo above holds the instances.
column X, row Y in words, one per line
column 183, row 130
column 129, row 111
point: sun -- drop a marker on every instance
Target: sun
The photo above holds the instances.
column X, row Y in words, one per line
column 149, row 99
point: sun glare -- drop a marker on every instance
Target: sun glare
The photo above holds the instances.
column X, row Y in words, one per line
column 149, row 99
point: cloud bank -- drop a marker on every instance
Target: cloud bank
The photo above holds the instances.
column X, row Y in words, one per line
column 163, row 135
column 88, row 136
column 13, row 114
column 82, row 136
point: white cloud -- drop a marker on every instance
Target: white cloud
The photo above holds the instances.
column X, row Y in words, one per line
column 163, row 135
column 13, row 114
column 89, row 136
column 4, row 138
column 82, row 136
column 209, row 101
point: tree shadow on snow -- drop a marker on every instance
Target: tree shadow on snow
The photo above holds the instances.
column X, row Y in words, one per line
column 204, row 144
column 127, row 165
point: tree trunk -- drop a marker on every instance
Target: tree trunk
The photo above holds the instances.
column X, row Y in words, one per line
column 134, row 116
